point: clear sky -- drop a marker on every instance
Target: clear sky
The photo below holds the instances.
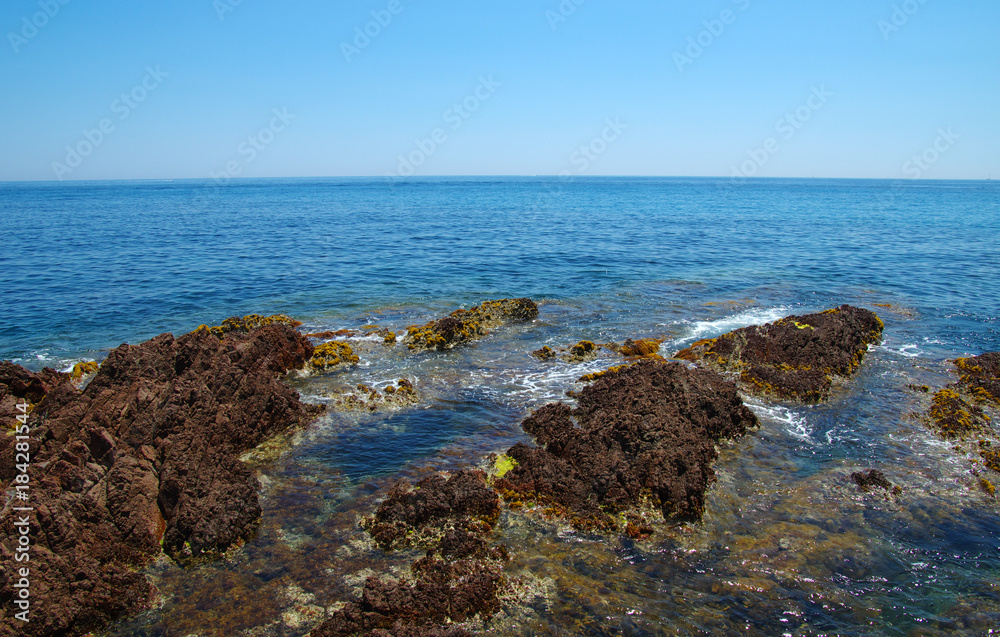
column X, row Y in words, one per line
column 256, row 88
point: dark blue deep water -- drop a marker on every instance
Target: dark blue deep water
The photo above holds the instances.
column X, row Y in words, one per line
column 787, row 546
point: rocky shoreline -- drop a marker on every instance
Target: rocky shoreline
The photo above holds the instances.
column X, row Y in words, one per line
column 144, row 461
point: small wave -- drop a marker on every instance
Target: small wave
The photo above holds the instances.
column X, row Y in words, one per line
column 793, row 423
column 541, row 386
column 908, row 350
column 753, row 316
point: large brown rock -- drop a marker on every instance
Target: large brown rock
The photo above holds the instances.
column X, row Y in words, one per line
column 145, row 457
column 646, row 430
column 795, row 357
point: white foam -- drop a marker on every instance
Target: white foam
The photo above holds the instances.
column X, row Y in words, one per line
column 793, row 423
column 753, row 316
column 906, row 350
column 548, row 384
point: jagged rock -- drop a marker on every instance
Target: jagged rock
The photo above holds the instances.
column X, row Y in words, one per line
column 646, row 430
column 407, row 512
column 796, row 357
column 463, row 326
column 144, row 457
column 460, row 577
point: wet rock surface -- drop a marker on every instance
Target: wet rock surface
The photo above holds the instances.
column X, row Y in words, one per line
column 144, row 460
column 463, row 326
column 459, row 578
column 646, row 431
column 957, row 410
column 794, row 358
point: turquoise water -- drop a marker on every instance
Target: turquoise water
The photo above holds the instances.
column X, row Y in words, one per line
column 788, row 545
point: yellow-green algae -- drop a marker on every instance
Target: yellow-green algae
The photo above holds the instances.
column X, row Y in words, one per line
column 247, row 323
column 331, row 354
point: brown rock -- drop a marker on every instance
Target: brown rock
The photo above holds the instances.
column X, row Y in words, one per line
column 463, row 326
column 795, row 357
column 647, row 429
column 147, row 452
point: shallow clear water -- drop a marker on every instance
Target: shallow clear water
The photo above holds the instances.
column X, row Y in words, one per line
column 788, row 544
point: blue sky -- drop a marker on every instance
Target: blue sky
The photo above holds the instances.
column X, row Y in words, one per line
column 251, row 88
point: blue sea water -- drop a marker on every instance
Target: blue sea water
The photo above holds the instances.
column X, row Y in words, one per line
column 89, row 265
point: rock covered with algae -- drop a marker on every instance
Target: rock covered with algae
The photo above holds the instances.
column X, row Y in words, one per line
column 645, row 432
column 143, row 461
column 459, row 578
column 796, row 357
column 957, row 410
column 463, row 326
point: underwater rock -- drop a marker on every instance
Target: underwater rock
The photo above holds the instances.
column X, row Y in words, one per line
column 544, row 353
column 796, row 357
column 463, row 326
column 366, row 398
column 871, row 479
column 459, row 578
column 640, row 432
column 412, row 514
column 143, row 460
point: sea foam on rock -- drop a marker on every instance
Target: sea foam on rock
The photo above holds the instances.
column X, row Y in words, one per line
column 796, row 357
column 143, row 460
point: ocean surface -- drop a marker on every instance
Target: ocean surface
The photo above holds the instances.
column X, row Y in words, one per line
column 788, row 545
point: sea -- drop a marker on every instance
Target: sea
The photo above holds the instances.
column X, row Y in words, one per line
column 788, row 544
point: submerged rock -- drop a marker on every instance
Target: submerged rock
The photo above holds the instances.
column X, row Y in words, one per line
column 411, row 513
column 459, row 578
column 873, row 479
column 463, row 326
column 365, row 398
column 143, row 460
column 796, row 357
column 641, row 432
